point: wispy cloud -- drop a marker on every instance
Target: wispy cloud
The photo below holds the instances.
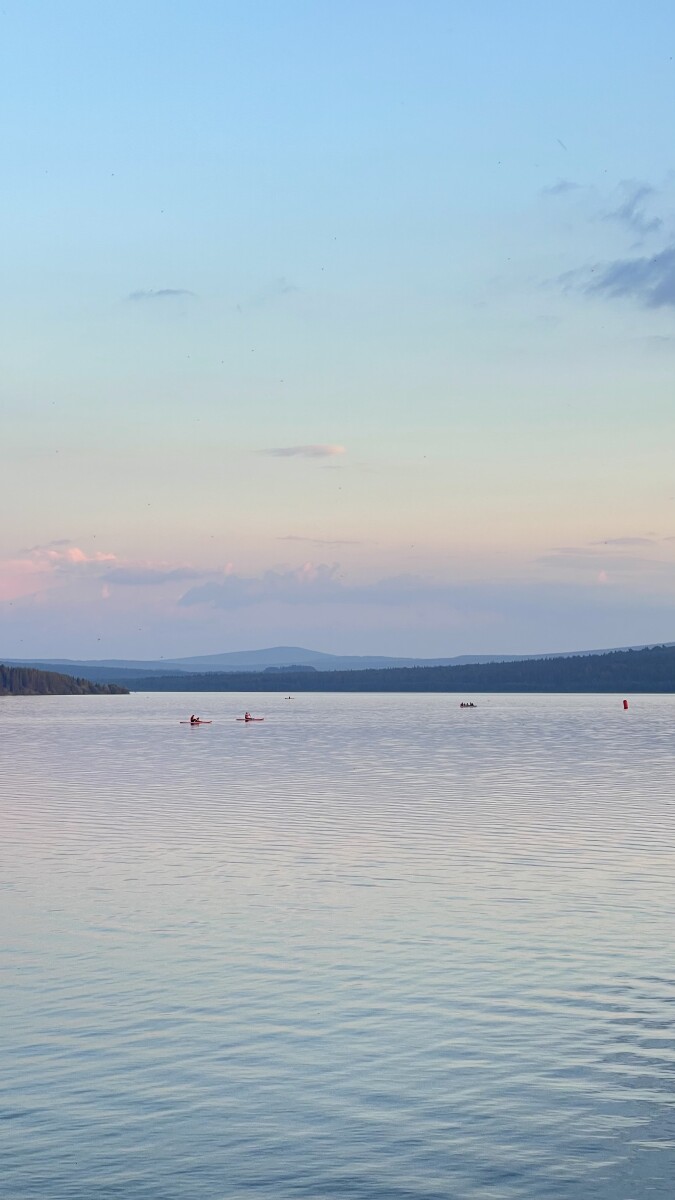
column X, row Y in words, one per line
column 58, row 558
column 658, row 341
column 631, row 209
column 630, row 559
column 561, row 188
column 321, row 450
column 159, row 293
column 648, row 280
column 314, row 541
column 56, row 544
column 314, row 588
column 306, row 583
column 274, row 291
column 629, row 570
column 626, row 541
column 60, row 564
column 316, row 583
column 44, row 566
column 148, row 576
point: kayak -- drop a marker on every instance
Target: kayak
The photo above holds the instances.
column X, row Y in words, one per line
column 196, row 722
column 249, row 719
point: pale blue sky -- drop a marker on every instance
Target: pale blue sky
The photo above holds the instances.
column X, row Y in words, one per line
column 433, row 236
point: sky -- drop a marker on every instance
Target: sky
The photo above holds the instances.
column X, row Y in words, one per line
column 345, row 326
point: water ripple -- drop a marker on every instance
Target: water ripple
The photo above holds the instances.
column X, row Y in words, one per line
column 376, row 947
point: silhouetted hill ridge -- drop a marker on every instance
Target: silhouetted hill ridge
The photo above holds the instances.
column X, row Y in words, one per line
column 647, row 670
column 283, row 658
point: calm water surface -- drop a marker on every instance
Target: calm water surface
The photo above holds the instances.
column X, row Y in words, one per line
column 376, row 947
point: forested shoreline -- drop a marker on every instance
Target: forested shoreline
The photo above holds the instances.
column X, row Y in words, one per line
column 648, row 670
column 27, row 681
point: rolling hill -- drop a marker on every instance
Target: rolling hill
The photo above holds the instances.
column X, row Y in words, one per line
column 646, row 670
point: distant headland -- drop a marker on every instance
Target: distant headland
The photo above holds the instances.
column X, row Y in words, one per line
column 26, row 681
column 647, row 670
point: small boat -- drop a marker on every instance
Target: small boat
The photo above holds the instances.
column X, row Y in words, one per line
column 249, row 719
column 199, row 722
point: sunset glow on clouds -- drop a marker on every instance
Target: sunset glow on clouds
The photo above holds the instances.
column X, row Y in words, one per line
column 436, row 273
column 312, row 451
column 43, row 566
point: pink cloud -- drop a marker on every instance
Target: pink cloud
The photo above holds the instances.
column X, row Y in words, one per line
column 323, row 450
column 19, row 578
column 42, row 566
column 55, row 566
column 76, row 556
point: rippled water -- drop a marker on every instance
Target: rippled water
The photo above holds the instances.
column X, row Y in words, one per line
column 374, row 947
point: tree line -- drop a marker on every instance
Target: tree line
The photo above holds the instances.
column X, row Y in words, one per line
column 27, row 681
column 648, row 670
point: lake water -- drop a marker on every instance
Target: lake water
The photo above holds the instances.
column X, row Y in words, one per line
column 376, row 948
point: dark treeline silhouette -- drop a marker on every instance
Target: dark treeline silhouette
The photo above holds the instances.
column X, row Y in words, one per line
column 649, row 670
column 26, row 681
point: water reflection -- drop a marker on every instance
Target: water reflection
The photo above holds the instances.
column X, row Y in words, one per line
column 373, row 947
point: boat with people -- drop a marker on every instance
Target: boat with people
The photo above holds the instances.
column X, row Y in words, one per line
column 196, row 721
column 247, row 717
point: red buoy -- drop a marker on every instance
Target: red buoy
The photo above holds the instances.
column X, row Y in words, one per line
column 625, row 704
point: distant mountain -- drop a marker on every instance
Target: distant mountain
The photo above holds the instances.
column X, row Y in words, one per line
column 290, row 656
column 646, row 670
column 112, row 670
column 108, row 670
